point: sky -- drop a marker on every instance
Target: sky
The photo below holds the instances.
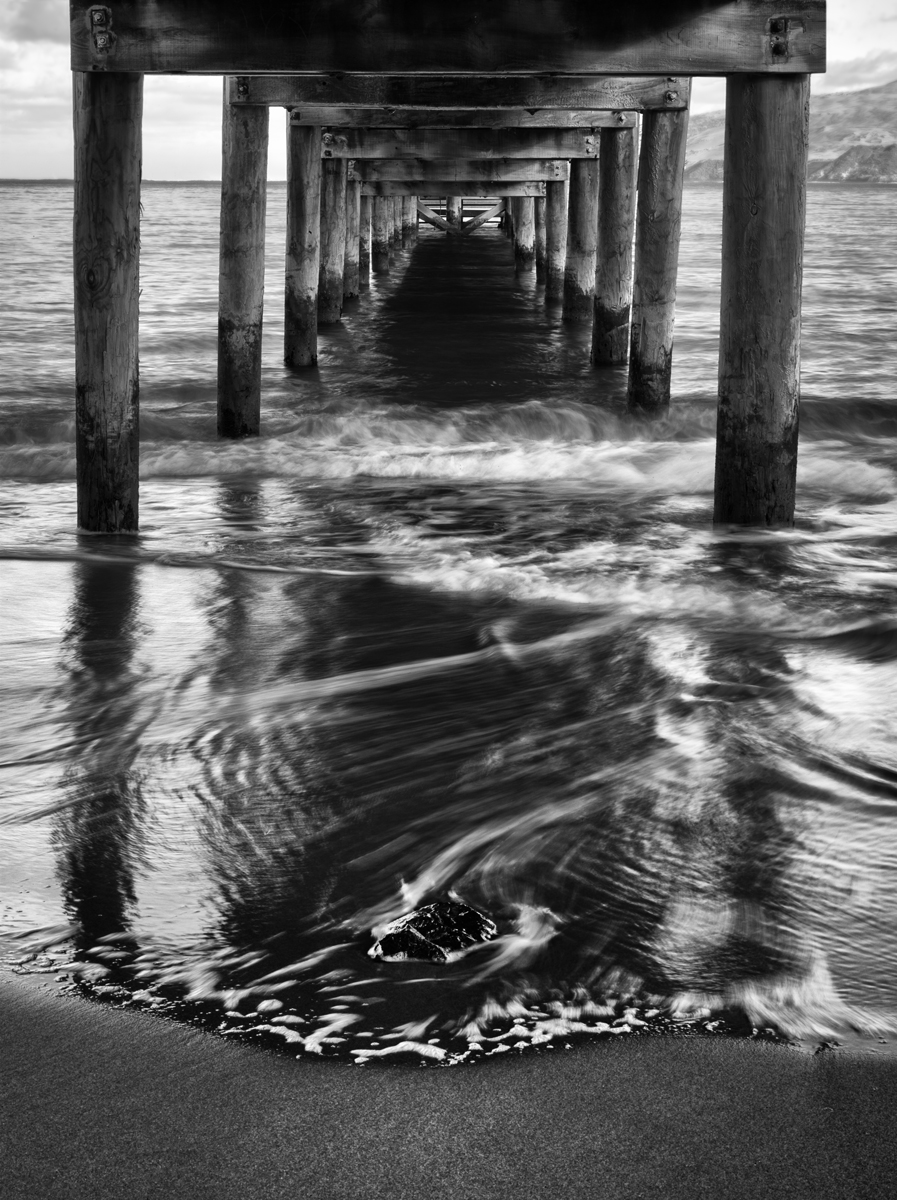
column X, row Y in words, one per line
column 182, row 116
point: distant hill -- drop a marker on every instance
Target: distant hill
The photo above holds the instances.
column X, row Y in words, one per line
column 853, row 137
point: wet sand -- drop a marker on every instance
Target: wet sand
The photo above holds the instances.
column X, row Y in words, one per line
column 109, row 1103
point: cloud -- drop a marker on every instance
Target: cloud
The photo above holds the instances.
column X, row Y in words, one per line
column 868, row 71
column 35, row 21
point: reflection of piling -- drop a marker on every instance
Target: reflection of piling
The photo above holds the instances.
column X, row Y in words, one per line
column 613, row 268
column 96, row 832
column 658, row 225
column 303, row 253
column 107, row 111
column 241, row 276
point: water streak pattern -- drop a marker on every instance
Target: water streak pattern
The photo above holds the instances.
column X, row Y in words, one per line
column 454, row 626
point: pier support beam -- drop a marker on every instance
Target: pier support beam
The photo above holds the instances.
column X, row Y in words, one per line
column 613, row 268
column 524, row 235
column 333, row 240
column 658, row 225
column 555, row 238
column 107, row 117
column 381, row 212
column 764, row 210
column 409, row 220
column 303, row 252
column 241, row 269
column 353, row 225
column 364, row 242
column 453, row 210
column 539, row 218
column 582, row 241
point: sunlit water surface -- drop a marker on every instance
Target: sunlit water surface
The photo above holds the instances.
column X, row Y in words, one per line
column 455, row 626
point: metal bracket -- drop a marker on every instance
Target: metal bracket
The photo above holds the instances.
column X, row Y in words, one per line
column 101, row 28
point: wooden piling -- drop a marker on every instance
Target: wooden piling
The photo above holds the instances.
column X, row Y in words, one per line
column 658, row 224
column 582, row 241
column 107, row 118
column 453, row 210
column 409, row 220
column 353, row 225
column 333, row 240
column 541, row 257
column 555, row 238
column 396, row 208
column 241, row 268
column 380, row 234
column 364, row 242
column 303, row 250
column 613, row 269
column 524, row 236
column 764, row 210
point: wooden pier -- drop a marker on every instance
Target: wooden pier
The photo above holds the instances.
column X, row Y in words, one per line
column 539, row 105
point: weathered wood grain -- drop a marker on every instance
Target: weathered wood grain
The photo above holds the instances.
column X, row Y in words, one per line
column 107, row 118
column 613, row 269
column 416, row 170
column 364, row 144
column 353, row 223
column 764, row 212
column 303, row 248
column 658, row 227
column 241, row 269
column 582, row 242
column 541, row 258
column 380, row 234
column 364, row 240
column 453, row 187
column 524, row 235
column 409, row 220
column 466, row 118
column 555, row 238
column 525, row 93
column 333, row 241
column 483, row 218
column 434, row 219
column 655, row 36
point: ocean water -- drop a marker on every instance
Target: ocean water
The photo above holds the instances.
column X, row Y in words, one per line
column 455, row 626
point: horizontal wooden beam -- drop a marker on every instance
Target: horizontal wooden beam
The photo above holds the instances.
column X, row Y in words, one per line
column 414, row 170
column 452, row 187
column 588, row 93
column 653, row 37
column 466, row 143
column 462, row 118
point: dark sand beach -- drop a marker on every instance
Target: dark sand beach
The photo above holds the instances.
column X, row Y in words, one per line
column 105, row 1103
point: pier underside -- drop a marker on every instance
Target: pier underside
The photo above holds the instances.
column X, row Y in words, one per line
column 390, row 102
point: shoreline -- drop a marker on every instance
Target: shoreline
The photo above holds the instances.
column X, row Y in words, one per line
column 104, row 1102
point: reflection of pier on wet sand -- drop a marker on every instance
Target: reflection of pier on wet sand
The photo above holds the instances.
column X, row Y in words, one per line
column 110, row 1104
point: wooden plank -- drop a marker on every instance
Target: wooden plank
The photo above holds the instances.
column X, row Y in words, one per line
column 303, row 249
column 107, row 118
column 453, row 187
column 764, row 211
column 241, row 269
column 466, row 118
column 518, row 170
column 536, row 94
column 434, row 219
column 464, row 143
column 476, row 223
column 225, row 37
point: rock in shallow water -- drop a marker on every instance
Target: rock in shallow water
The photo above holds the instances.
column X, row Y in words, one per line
column 433, row 933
